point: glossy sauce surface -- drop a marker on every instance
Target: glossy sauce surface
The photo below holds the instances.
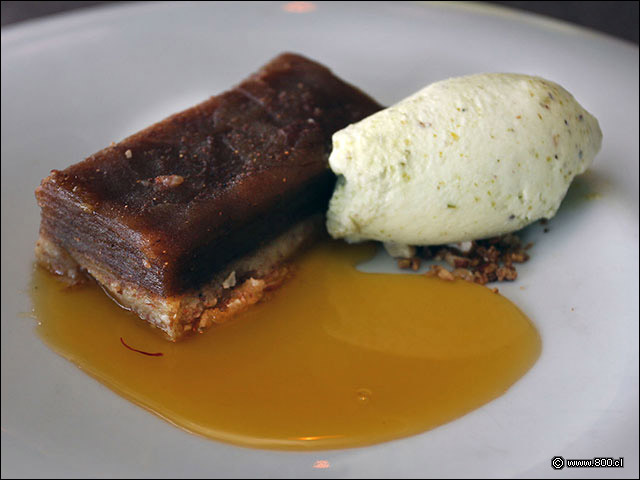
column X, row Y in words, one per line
column 335, row 358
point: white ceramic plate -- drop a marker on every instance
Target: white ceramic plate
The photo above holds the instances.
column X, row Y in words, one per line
column 73, row 83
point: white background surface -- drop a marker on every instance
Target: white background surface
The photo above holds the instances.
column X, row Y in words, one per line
column 73, row 84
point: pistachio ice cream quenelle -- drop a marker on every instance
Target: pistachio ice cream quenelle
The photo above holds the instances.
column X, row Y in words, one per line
column 462, row 159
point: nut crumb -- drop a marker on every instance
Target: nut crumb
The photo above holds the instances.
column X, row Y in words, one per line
column 464, row 274
column 128, row 154
column 413, row 263
column 508, row 273
column 404, row 263
column 440, row 272
column 486, row 261
column 445, row 274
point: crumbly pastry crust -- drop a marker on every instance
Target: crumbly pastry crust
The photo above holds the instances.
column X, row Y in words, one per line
column 232, row 290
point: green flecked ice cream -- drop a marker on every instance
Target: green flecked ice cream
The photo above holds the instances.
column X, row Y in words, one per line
column 462, row 159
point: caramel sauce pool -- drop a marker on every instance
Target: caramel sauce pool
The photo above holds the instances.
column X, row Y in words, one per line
column 336, row 358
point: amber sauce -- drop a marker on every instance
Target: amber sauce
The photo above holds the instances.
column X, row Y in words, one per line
column 336, row 358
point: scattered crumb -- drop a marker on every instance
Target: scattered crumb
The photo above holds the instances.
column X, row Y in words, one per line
column 486, row 261
column 404, row 263
column 506, row 273
column 413, row 263
column 464, row 274
column 445, row 274
column 128, row 154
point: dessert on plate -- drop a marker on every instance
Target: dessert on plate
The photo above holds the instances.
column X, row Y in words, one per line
column 191, row 220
